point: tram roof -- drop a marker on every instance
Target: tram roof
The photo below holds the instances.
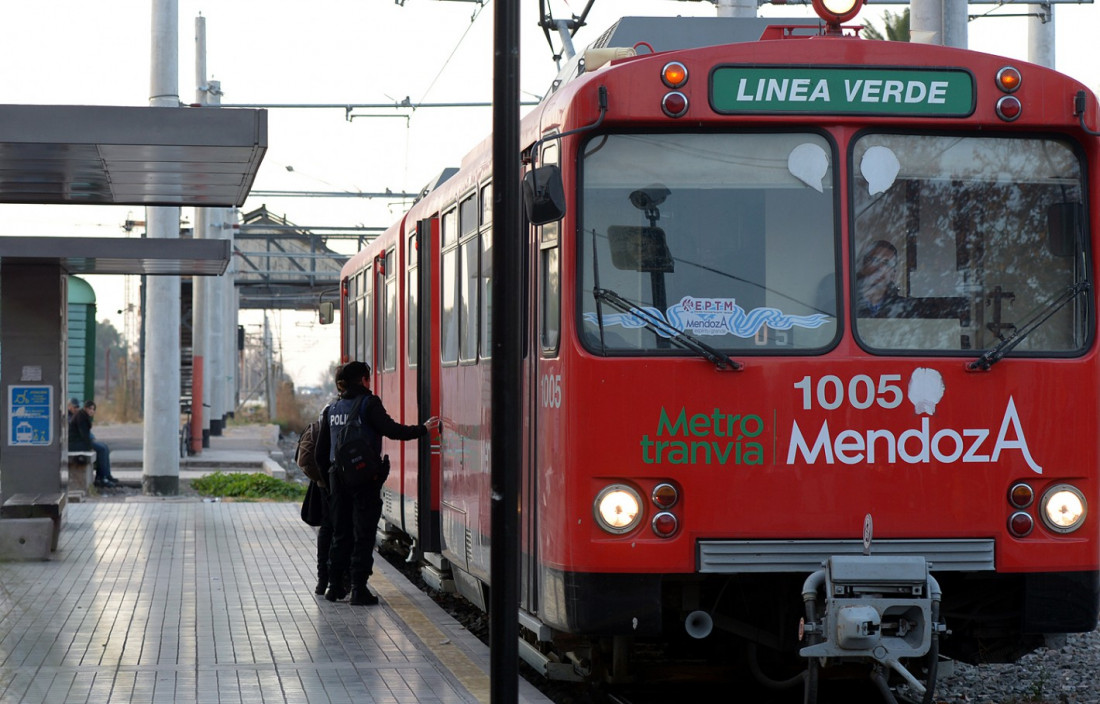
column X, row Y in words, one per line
column 670, row 33
column 112, row 155
column 675, row 33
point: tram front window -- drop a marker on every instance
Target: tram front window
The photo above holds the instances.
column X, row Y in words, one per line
column 726, row 237
column 959, row 243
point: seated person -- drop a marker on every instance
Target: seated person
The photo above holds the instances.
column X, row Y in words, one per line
column 877, row 292
column 81, row 438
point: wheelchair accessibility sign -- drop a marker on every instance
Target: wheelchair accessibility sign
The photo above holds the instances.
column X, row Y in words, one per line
column 30, row 410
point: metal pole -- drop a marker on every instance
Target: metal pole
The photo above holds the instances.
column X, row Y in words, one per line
column 506, row 445
column 269, row 371
column 231, row 362
column 160, row 447
column 215, row 341
column 200, row 285
column 220, row 288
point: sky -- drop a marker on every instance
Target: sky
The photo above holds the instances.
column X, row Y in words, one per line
column 272, row 52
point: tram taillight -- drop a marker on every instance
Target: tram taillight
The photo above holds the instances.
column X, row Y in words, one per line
column 675, row 104
column 1009, row 108
column 1020, row 524
column 665, row 524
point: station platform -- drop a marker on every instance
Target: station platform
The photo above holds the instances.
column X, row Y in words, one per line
column 185, row 599
column 253, row 448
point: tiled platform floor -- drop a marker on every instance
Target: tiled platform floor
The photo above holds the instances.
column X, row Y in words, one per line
column 154, row 600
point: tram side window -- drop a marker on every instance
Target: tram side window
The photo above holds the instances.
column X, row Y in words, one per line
column 350, row 318
column 389, row 348
column 468, row 280
column 365, row 318
column 549, row 274
column 486, row 293
column 960, row 242
column 550, row 285
column 412, row 292
column 448, row 334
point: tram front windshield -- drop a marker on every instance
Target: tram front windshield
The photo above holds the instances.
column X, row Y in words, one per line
column 962, row 243
column 958, row 244
column 727, row 237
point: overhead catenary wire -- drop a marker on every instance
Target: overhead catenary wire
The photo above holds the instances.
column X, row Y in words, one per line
column 473, row 19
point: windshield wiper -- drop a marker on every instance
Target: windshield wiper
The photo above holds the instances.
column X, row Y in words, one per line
column 997, row 353
column 685, row 340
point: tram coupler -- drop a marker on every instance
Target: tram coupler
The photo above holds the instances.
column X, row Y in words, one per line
column 880, row 608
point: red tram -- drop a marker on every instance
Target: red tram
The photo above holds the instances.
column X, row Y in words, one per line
column 810, row 357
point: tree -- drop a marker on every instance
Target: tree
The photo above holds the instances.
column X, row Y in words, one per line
column 115, row 374
column 897, row 27
column 108, row 341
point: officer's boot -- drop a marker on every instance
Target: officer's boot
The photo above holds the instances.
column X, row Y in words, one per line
column 360, row 595
column 322, row 578
column 336, row 589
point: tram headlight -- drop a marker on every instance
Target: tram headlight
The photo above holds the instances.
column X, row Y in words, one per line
column 837, row 11
column 1063, row 508
column 618, row 509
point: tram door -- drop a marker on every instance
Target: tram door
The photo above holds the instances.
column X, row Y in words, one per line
column 529, row 558
column 541, row 362
column 421, row 512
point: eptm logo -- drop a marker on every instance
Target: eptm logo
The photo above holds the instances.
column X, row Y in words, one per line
column 925, row 390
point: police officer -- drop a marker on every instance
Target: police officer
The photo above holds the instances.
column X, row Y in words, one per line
column 355, row 512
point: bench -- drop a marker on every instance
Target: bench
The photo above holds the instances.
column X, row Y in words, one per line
column 37, row 506
column 81, row 470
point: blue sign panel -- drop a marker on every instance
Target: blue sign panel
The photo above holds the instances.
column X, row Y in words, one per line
column 30, row 412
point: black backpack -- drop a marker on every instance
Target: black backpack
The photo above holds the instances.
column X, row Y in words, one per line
column 358, row 463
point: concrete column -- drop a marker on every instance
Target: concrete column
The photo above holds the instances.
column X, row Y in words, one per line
column 33, row 304
column 160, row 447
column 926, row 22
column 736, row 8
column 1040, row 35
column 956, row 22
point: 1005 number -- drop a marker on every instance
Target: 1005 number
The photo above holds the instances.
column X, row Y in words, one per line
column 861, row 392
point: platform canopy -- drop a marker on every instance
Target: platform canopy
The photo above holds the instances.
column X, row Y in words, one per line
column 107, row 155
column 121, row 255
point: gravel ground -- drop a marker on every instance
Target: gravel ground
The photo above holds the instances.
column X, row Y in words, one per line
column 1066, row 675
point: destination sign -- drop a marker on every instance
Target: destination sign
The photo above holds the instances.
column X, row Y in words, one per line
column 849, row 91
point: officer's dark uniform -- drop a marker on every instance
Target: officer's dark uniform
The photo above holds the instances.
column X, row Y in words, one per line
column 355, row 513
